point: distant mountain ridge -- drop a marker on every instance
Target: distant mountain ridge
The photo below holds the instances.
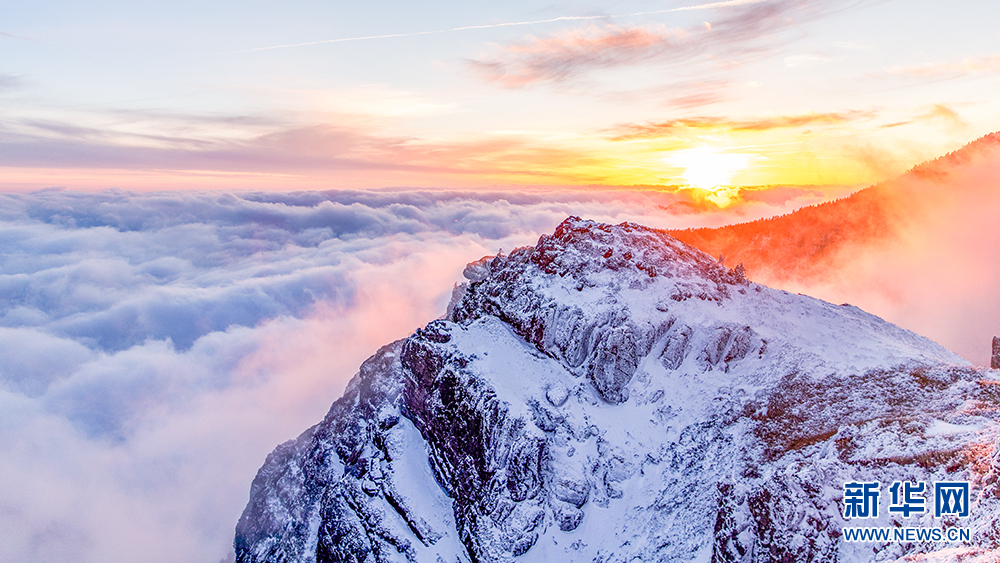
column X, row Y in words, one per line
column 921, row 250
column 613, row 394
column 804, row 244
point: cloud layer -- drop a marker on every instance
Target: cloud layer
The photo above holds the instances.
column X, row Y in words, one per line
column 158, row 346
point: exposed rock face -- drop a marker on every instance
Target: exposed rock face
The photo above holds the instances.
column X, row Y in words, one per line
column 612, row 394
column 995, row 361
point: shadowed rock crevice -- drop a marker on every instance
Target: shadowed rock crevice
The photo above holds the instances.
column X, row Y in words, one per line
column 612, row 394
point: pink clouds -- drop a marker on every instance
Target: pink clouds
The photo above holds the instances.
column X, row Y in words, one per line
column 951, row 69
column 567, row 55
column 370, row 153
column 165, row 342
column 279, row 149
column 562, row 56
column 157, row 346
column 119, row 448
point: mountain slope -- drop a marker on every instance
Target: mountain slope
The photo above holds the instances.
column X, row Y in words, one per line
column 806, row 244
column 919, row 250
column 613, row 394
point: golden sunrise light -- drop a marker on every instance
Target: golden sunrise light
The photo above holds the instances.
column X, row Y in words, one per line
column 627, row 225
column 711, row 169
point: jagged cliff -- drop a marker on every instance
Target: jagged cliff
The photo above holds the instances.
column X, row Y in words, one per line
column 613, row 394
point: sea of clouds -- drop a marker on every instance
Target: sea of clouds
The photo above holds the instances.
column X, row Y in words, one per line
column 156, row 347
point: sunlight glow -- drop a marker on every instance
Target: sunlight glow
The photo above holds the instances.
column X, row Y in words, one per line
column 709, row 168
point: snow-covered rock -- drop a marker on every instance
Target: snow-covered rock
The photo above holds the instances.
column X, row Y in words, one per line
column 613, row 394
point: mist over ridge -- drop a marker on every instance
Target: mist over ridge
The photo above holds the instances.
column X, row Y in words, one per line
column 158, row 345
column 921, row 250
column 614, row 394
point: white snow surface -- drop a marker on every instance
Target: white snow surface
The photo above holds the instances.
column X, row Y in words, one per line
column 681, row 413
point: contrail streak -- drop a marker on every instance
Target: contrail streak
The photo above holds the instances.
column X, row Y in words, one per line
column 712, row 5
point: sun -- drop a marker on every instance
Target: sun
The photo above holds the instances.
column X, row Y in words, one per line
column 711, row 169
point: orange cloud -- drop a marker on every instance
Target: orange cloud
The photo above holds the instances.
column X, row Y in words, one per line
column 166, row 152
column 940, row 114
column 632, row 131
column 917, row 250
column 47, row 154
column 332, row 156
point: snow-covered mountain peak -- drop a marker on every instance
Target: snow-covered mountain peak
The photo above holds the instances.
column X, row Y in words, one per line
column 612, row 394
column 601, row 297
column 585, row 249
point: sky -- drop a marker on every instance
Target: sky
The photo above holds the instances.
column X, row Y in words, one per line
column 212, row 212
column 324, row 94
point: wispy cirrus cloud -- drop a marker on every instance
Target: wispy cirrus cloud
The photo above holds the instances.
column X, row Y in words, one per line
column 275, row 148
column 939, row 114
column 946, row 115
column 633, row 131
column 236, row 153
column 563, row 56
column 706, row 6
column 560, row 57
column 10, row 82
column 950, row 69
column 696, row 99
column 365, row 152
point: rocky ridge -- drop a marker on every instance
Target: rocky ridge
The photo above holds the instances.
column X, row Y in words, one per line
column 613, row 394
